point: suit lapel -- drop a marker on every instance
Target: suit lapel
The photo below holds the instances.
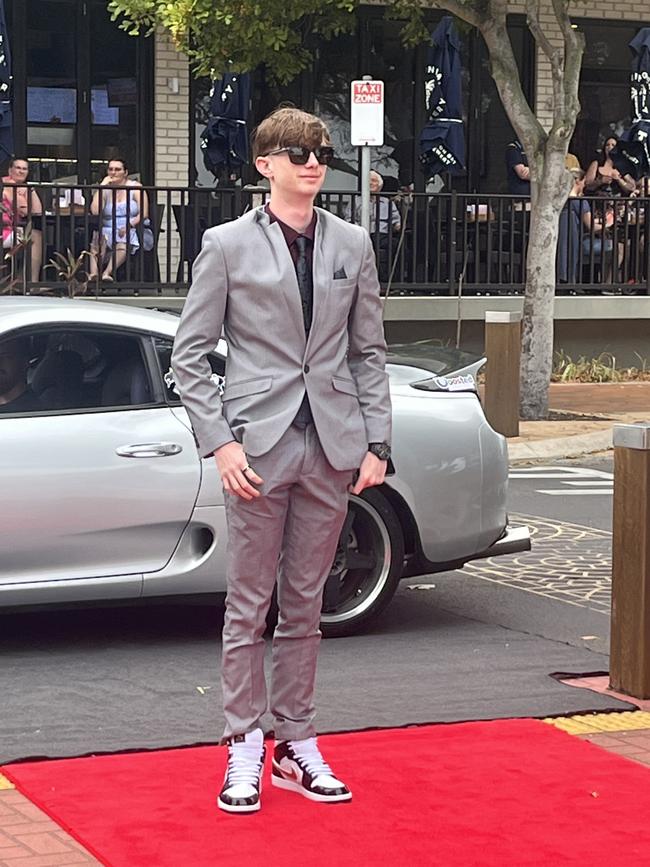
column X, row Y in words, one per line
column 288, row 290
column 320, row 272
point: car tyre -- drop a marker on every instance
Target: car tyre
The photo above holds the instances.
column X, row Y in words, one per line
column 368, row 565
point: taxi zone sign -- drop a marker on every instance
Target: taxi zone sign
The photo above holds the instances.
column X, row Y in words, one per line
column 367, row 112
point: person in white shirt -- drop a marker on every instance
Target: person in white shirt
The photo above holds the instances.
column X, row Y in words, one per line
column 385, row 224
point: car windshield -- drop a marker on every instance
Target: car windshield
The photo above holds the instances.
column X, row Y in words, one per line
column 429, row 355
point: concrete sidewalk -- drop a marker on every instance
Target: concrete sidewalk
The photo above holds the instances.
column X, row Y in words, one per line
column 582, row 419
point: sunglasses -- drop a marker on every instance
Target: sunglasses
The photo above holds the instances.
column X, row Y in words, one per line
column 299, row 155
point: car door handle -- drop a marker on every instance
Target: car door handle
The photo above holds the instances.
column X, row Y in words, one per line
column 148, row 450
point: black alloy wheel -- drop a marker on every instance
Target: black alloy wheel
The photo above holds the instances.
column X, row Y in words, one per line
column 368, row 565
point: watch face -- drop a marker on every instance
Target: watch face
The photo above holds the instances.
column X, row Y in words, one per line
column 380, row 450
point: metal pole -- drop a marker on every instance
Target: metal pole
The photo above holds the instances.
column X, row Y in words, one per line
column 365, row 180
column 629, row 669
column 365, row 187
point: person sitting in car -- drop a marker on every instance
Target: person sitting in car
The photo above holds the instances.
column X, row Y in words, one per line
column 15, row 393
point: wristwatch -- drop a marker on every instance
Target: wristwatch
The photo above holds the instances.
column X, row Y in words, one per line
column 380, row 450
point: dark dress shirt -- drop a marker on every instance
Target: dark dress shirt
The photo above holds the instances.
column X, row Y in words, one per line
column 306, row 287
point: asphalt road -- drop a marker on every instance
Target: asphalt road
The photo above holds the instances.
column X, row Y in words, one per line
column 561, row 589
column 577, row 491
column 479, row 643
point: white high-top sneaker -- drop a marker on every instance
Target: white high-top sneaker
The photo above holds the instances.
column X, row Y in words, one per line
column 300, row 767
column 243, row 781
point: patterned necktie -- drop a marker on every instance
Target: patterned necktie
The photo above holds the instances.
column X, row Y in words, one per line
column 305, row 280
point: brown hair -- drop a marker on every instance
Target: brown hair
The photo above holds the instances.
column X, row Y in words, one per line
column 285, row 127
column 125, row 168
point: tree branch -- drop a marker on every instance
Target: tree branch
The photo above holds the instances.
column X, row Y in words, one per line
column 532, row 15
column 574, row 45
column 506, row 77
column 467, row 10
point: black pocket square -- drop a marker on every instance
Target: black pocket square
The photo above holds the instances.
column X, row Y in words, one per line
column 340, row 274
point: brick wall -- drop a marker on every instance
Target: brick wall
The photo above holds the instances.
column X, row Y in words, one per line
column 171, row 133
column 172, row 126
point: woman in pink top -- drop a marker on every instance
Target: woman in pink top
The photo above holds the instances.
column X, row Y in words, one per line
column 19, row 203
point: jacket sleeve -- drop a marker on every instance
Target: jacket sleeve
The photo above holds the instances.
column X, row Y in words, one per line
column 197, row 335
column 367, row 349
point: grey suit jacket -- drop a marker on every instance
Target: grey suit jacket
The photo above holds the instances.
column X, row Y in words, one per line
column 244, row 281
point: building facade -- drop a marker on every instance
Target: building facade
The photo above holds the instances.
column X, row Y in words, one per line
column 85, row 91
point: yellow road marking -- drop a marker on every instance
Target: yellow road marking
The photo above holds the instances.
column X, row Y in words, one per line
column 584, row 724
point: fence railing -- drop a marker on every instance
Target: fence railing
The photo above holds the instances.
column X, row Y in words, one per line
column 143, row 240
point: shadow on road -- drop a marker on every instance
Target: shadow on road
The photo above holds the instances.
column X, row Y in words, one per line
column 110, row 626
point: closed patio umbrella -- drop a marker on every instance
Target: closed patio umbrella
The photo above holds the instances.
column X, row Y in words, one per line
column 224, row 140
column 632, row 154
column 6, row 123
column 442, row 140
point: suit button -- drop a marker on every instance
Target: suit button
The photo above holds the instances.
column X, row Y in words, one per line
column 306, row 368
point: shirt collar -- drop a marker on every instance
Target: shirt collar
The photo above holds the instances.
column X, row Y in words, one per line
column 289, row 233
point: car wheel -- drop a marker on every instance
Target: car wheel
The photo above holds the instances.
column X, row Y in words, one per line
column 368, row 565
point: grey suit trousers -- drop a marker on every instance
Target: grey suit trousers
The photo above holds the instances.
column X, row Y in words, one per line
column 288, row 534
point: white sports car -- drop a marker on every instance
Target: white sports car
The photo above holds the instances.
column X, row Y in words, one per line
column 104, row 496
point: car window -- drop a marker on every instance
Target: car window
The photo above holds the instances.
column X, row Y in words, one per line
column 72, row 370
column 164, row 352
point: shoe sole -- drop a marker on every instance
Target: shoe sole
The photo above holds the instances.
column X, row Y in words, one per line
column 237, row 808
column 292, row 786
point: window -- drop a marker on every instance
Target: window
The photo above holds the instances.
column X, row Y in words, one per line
column 164, row 353
column 78, row 90
column 605, row 104
column 74, row 370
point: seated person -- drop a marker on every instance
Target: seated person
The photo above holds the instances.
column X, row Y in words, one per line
column 572, row 163
column 385, row 224
column 598, row 239
column 117, row 206
column 19, row 203
column 15, row 393
column 571, row 220
column 603, row 178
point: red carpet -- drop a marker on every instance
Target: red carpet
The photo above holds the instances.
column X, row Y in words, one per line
column 498, row 794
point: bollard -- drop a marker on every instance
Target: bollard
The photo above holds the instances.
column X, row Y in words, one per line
column 503, row 350
column 629, row 666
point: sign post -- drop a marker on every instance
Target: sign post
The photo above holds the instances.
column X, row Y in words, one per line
column 367, row 129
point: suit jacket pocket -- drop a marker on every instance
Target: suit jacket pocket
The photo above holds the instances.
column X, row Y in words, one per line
column 347, row 386
column 339, row 283
column 246, row 386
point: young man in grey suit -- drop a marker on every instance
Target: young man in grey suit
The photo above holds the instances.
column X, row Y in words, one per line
column 305, row 406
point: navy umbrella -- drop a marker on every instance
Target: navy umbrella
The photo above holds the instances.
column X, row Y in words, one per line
column 442, row 141
column 224, row 140
column 6, row 123
column 632, row 154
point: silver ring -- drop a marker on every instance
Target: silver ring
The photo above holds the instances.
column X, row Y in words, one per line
column 247, row 467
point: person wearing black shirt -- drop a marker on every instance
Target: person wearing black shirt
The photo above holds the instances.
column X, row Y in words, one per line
column 518, row 172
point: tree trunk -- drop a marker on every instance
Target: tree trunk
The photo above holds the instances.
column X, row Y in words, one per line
column 548, row 197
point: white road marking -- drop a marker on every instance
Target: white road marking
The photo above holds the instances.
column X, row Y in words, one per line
column 562, row 492
column 587, row 482
column 590, row 482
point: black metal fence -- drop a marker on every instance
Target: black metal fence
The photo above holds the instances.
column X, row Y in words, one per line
column 143, row 240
